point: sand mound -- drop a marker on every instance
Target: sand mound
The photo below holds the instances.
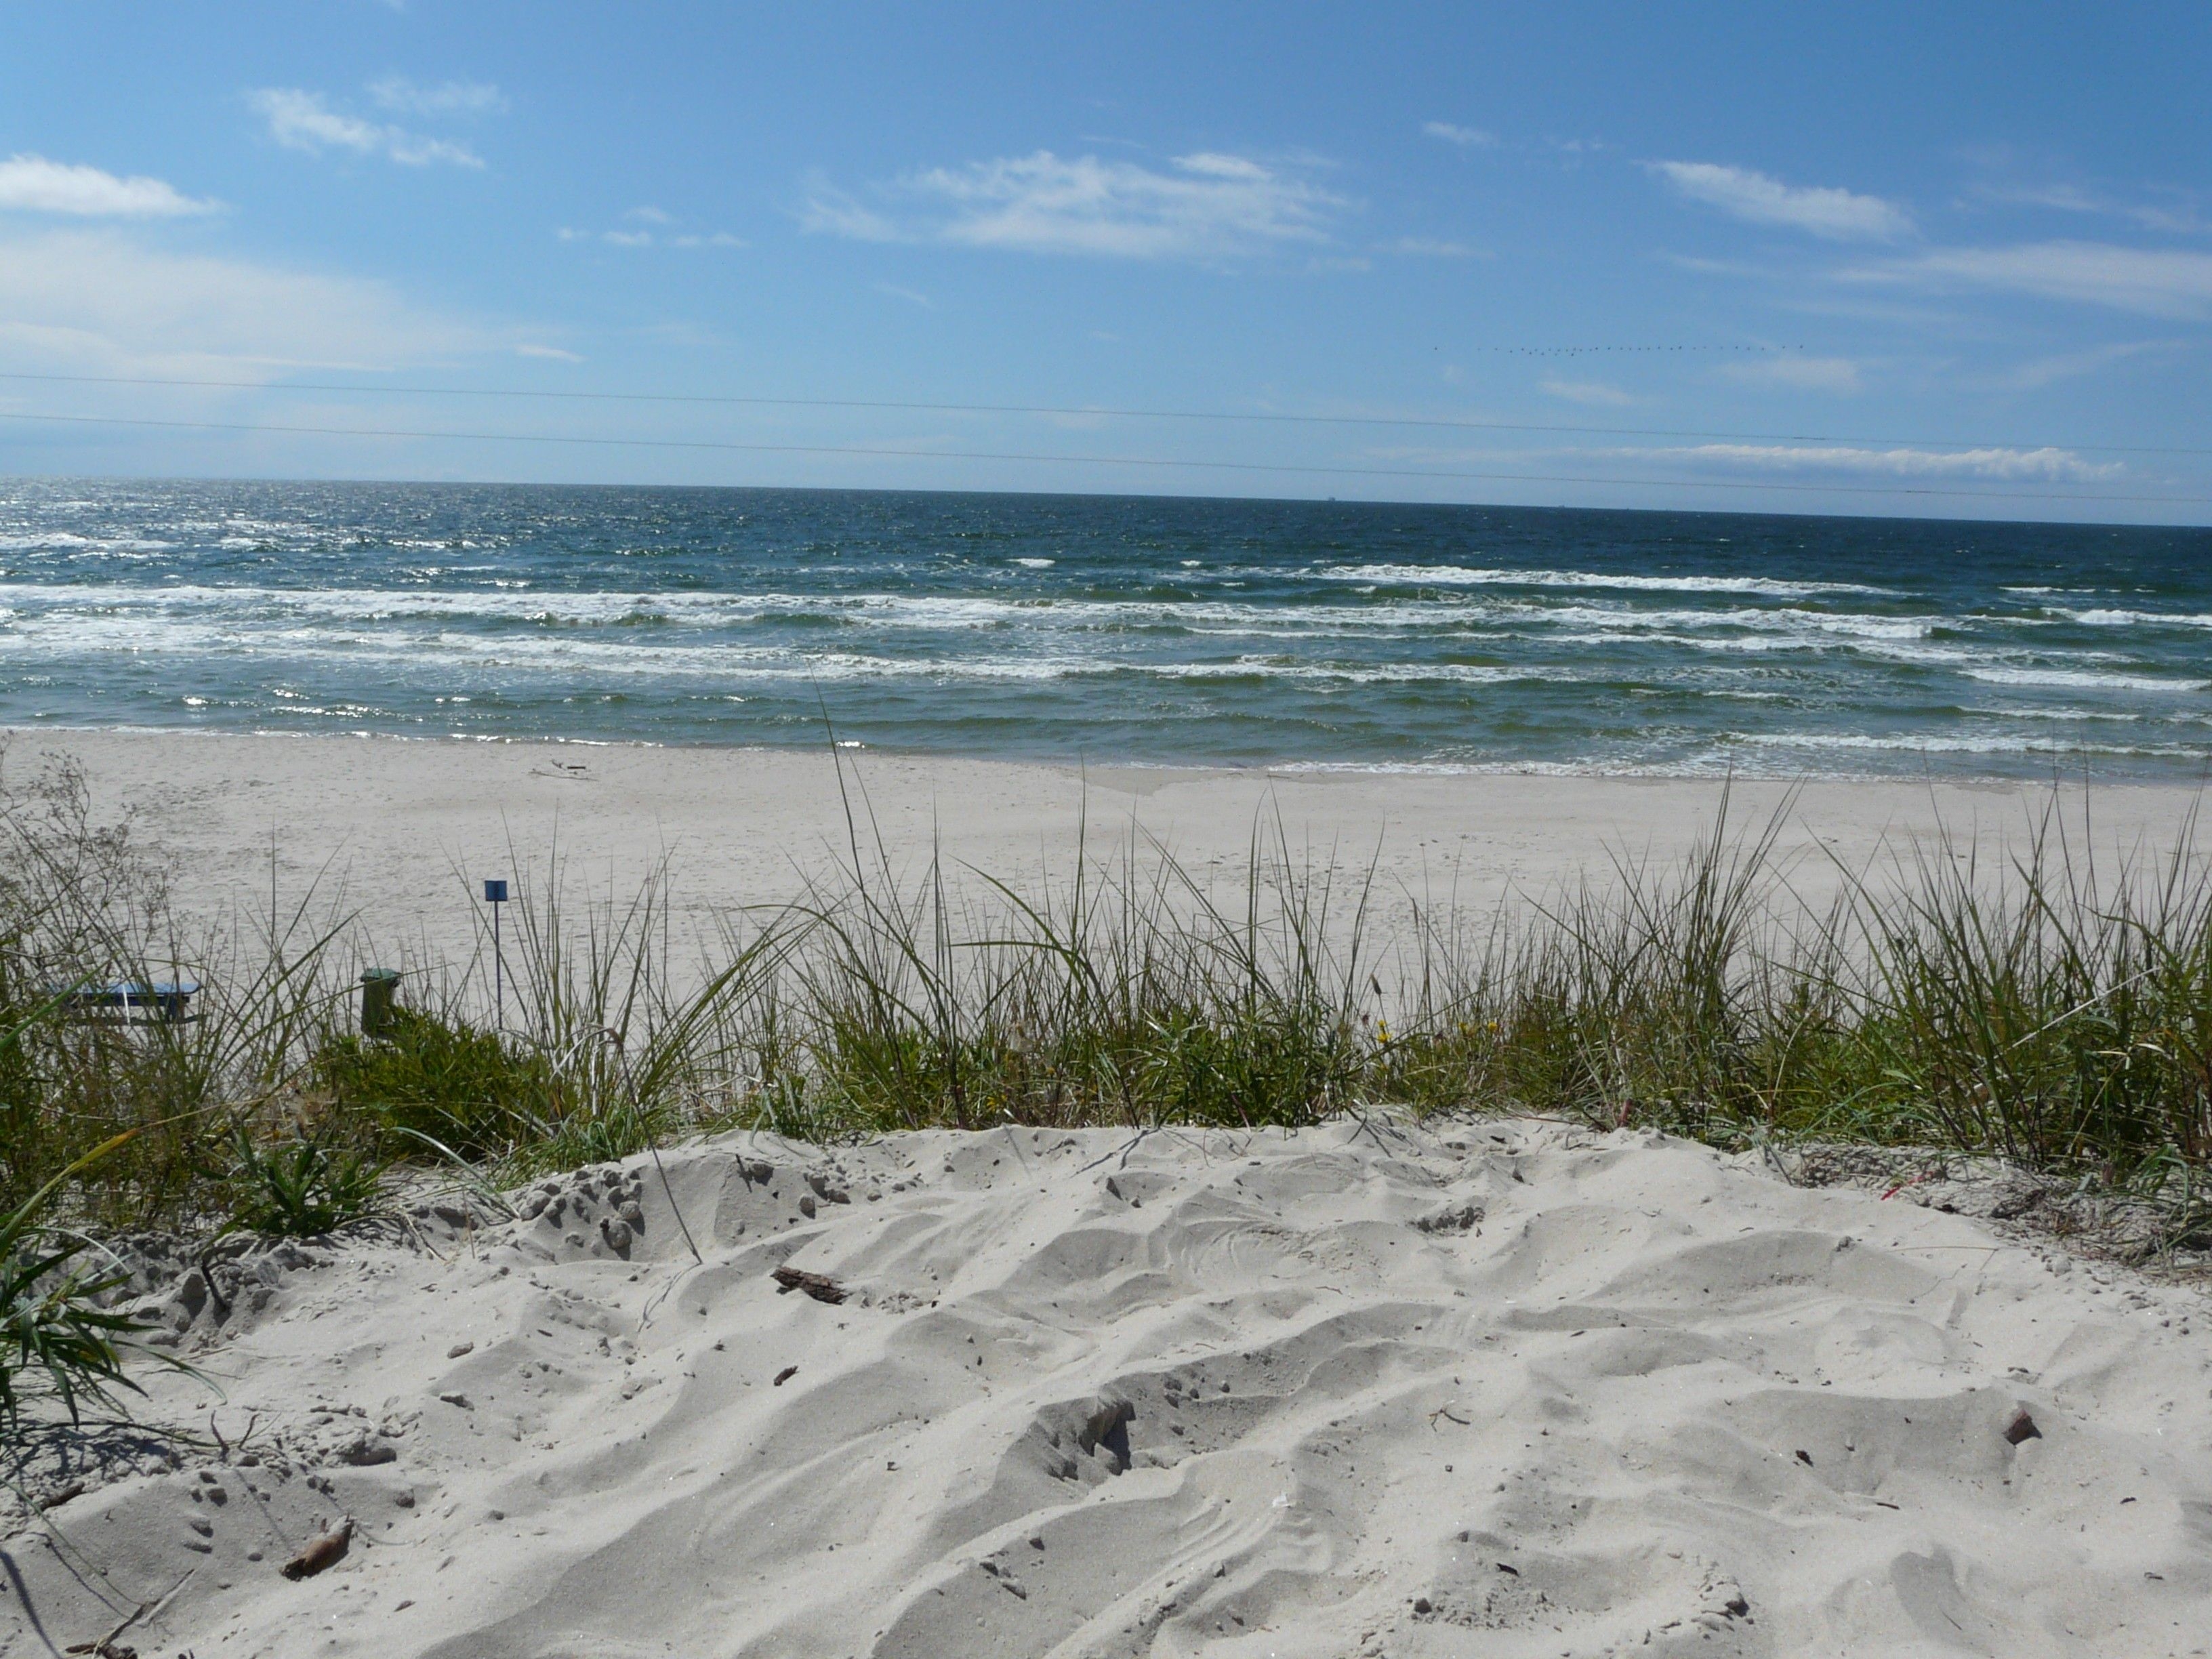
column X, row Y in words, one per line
column 1485, row 1387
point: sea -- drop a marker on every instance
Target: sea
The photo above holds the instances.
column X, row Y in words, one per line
column 1180, row 632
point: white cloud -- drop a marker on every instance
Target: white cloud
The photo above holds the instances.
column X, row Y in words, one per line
column 1431, row 247
column 1465, row 138
column 2066, row 366
column 1593, row 392
column 301, row 120
column 396, row 92
column 831, row 211
column 907, row 294
column 2065, row 198
column 2184, row 220
column 2047, row 466
column 1207, row 205
column 2179, row 213
column 32, row 184
column 1837, row 215
column 1704, row 267
column 1799, row 374
column 652, row 215
column 106, row 301
column 2151, row 282
column 531, row 349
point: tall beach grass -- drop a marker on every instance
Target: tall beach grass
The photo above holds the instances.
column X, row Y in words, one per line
column 2054, row 1008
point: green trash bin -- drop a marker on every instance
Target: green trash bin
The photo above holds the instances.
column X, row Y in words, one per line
column 379, row 1006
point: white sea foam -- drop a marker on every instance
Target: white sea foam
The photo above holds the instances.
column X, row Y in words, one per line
column 2081, row 679
column 1782, row 621
column 2140, row 618
column 1455, row 575
column 720, row 608
column 2106, row 715
column 1935, row 743
column 1407, row 673
column 1717, row 645
column 1926, row 656
column 64, row 541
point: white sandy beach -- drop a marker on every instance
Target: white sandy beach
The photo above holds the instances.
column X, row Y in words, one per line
column 400, row 831
column 1496, row 1387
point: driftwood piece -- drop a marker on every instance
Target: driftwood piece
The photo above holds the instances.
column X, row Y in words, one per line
column 820, row 1287
column 320, row 1554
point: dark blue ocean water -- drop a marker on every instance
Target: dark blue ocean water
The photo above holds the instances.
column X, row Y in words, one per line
column 1110, row 628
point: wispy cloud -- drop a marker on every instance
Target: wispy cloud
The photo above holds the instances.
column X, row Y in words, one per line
column 907, row 294
column 832, row 212
column 2046, row 466
column 532, row 348
column 2041, row 372
column 32, row 184
column 1465, row 138
column 1798, row 373
column 1706, row 267
column 2179, row 213
column 2064, row 198
column 2150, row 282
column 1837, row 215
column 658, row 237
column 303, row 120
column 105, row 300
column 1433, row 247
column 1203, row 206
column 396, row 92
column 1595, row 393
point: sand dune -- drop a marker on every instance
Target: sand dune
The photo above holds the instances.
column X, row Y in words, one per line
column 1481, row 1387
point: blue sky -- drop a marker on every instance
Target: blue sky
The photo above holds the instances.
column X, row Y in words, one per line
column 1969, row 246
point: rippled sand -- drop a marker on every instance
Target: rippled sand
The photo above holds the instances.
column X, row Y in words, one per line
column 1494, row 1388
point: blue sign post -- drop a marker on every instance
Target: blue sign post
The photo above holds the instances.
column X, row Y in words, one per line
column 496, row 895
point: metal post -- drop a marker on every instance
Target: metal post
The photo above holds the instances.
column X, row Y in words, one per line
column 496, row 895
column 379, row 986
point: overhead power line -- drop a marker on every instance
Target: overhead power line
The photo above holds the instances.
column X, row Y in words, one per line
column 1438, row 424
column 1621, row 350
column 1093, row 460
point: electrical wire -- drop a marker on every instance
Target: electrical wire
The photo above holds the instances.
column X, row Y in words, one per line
column 1090, row 460
column 1441, row 423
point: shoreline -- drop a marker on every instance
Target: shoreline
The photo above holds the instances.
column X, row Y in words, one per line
column 2045, row 779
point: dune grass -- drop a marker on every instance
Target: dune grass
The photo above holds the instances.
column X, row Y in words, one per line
column 2056, row 1011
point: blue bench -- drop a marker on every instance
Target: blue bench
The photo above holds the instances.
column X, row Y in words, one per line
column 167, row 1001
